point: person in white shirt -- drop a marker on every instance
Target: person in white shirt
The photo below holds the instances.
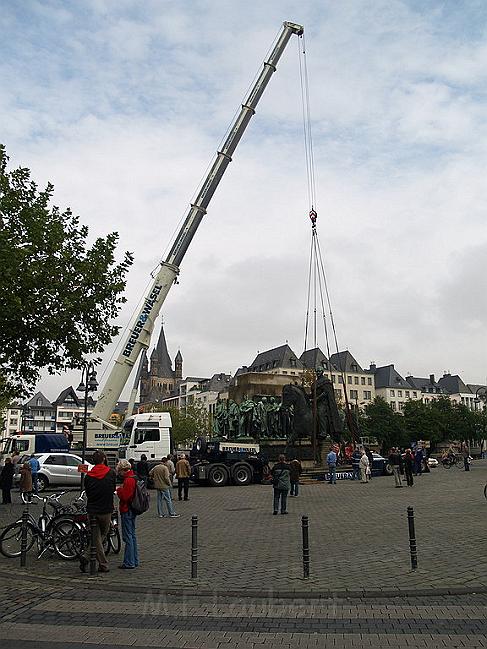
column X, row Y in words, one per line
column 364, row 467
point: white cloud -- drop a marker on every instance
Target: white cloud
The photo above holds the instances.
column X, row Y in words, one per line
column 122, row 107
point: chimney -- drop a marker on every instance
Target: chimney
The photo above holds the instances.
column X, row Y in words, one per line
column 432, row 379
column 373, row 367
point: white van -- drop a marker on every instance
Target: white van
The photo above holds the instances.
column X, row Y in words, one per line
column 148, row 434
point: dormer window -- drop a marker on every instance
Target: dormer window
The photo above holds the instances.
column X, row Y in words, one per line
column 292, row 362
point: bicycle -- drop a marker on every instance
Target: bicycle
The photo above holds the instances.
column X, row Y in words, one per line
column 59, row 533
column 112, row 541
column 452, row 460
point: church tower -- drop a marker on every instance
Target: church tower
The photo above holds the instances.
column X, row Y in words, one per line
column 178, row 366
column 158, row 379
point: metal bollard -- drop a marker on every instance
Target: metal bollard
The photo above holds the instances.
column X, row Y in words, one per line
column 305, row 530
column 194, row 547
column 93, row 524
column 23, row 537
column 412, row 539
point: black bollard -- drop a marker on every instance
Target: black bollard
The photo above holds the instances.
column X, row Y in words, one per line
column 93, row 524
column 305, row 530
column 412, row 539
column 23, row 537
column 194, row 547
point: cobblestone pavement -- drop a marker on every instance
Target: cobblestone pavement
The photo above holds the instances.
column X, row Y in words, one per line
column 358, row 539
column 42, row 616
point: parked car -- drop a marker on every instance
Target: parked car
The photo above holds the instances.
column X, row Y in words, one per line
column 380, row 465
column 57, row 469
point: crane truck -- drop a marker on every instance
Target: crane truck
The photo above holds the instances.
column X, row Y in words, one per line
column 149, row 433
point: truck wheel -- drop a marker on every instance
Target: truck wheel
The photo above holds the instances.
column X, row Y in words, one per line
column 218, row 476
column 42, row 483
column 200, row 444
column 388, row 470
column 242, row 474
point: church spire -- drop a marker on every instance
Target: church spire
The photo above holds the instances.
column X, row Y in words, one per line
column 160, row 359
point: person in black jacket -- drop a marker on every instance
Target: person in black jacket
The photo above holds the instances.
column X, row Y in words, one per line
column 142, row 469
column 6, row 481
column 408, row 467
column 100, row 485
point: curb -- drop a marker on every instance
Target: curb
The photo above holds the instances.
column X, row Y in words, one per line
column 192, row 590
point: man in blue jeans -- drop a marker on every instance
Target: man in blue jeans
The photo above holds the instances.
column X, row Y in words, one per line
column 331, row 459
column 34, row 468
column 162, row 480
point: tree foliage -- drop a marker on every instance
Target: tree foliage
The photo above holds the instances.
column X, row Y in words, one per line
column 186, row 425
column 438, row 421
column 58, row 295
column 380, row 421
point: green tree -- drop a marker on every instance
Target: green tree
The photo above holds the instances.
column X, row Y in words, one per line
column 186, row 425
column 380, row 421
column 58, row 295
column 420, row 422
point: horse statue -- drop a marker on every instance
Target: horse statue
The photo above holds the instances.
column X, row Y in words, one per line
column 302, row 425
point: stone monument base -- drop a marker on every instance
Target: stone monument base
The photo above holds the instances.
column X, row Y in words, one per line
column 301, row 450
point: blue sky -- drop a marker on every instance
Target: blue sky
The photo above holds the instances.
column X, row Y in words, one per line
column 122, row 105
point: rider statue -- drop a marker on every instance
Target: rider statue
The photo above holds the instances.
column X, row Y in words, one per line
column 329, row 422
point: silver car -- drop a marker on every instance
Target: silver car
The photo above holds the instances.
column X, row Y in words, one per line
column 57, row 469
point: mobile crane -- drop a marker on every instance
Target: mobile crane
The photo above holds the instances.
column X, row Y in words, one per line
column 101, row 434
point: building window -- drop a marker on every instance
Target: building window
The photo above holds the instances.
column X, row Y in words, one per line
column 333, row 378
column 401, row 405
column 367, row 395
column 414, row 395
column 369, row 380
column 399, row 393
column 393, row 405
column 354, row 394
column 406, row 394
column 349, row 380
column 284, row 372
column 274, row 363
column 355, row 379
column 362, row 380
column 340, row 379
column 292, row 362
column 392, row 393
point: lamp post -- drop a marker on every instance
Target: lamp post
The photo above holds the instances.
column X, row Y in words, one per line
column 88, row 384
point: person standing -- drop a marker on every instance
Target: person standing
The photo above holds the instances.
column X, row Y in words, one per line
column 26, row 480
column 171, row 467
column 364, row 467
column 370, row 457
column 6, row 481
column 15, row 461
column 162, row 482
column 409, row 466
column 34, row 467
column 331, row 460
column 142, row 469
column 356, row 464
column 183, row 473
column 100, row 483
column 395, row 460
column 466, row 459
column 126, row 494
column 295, row 471
column 418, row 461
column 281, row 481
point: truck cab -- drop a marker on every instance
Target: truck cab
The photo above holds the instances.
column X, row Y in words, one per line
column 146, row 434
column 34, row 443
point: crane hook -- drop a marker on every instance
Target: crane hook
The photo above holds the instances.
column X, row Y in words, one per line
column 313, row 216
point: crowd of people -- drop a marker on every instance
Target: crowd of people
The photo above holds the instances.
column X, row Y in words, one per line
column 28, row 481
column 100, row 487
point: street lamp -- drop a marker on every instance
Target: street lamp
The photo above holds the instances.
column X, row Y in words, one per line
column 88, row 384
